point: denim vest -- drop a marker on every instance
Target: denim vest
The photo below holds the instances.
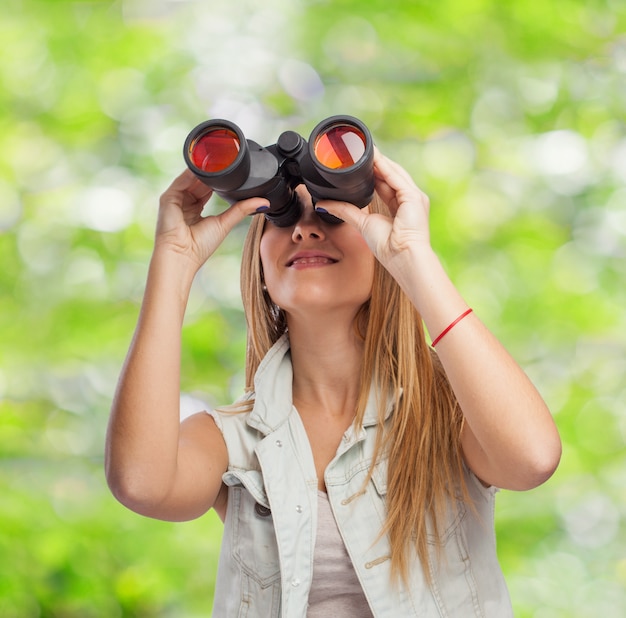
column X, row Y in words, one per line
column 266, row 560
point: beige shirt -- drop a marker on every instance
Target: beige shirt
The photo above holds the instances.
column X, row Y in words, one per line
column 335, row 588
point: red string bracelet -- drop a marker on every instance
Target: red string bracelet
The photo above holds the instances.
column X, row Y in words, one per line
column 448, row 328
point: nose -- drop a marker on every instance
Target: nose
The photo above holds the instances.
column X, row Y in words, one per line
column 309, row 225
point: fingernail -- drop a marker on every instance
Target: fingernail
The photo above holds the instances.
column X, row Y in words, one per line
column 262, row 208
column 322, row 210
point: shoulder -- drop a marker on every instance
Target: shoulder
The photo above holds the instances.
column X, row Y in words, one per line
column 234, row 414
column 200, row 431
column 240, row 437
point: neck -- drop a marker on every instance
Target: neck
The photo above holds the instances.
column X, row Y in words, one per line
column 326, row 356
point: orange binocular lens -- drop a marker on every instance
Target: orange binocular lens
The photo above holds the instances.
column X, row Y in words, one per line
column 215, row 150
column 340, row 146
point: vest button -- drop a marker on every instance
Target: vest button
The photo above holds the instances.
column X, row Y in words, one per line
column 295, row 582
column 262, row 511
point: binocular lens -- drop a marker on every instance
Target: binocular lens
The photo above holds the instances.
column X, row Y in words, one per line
column 340, row 146
column 214, row 150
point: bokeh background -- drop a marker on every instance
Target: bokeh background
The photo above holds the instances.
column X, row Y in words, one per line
column 511, row 115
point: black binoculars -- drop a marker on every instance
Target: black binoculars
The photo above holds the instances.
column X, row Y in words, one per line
column 336, row 163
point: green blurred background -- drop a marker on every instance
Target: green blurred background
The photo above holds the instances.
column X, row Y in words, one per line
column 511, row 115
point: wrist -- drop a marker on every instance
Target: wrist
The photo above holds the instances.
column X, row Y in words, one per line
column 416, row 268
column 425, row 281
column 173, row 258
column 172, row 271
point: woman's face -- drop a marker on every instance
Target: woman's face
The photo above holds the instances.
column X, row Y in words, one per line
column 314, row 265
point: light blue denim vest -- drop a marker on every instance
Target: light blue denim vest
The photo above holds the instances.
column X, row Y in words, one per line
column 266, row 560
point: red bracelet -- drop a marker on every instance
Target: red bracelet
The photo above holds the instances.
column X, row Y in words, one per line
column 448, row 328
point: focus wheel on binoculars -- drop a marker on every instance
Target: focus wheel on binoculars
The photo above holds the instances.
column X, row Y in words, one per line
column 290, row 143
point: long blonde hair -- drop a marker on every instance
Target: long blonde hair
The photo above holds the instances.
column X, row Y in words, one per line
column 422, row 437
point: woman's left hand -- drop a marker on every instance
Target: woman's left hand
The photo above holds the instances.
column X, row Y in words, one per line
column 389, row 238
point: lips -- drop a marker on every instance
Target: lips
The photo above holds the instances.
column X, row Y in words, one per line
column 310, row 258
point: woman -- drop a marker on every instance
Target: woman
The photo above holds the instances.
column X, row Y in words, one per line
column 357, row 475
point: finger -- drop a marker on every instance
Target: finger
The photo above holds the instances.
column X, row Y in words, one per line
column 343, row 210
column 185, row 180
column 187, row 190
column 393, row 173
column 386, row 193
column 394, row 182
column 240, row 210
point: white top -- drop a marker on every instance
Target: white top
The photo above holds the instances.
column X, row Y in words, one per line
column 335, row 588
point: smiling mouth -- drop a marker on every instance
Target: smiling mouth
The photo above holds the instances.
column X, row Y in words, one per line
column 311, row 261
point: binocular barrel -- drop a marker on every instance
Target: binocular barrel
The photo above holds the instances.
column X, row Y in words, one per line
column 336, row 163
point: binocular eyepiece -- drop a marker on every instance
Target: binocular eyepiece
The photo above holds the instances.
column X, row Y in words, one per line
column 336, row 163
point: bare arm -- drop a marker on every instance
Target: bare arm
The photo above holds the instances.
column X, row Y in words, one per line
column 155, row 465
column 509, row 439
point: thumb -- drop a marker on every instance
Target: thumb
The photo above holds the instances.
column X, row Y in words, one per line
column 238, row 211
column 345, row 211
column 375, row 228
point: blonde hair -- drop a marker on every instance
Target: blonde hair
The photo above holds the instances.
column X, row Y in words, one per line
column 421, row 439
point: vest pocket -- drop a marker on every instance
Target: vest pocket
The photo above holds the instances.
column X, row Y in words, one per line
column 453, row 584
column 253, row 538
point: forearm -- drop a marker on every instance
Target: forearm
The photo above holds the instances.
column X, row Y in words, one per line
column 143, row 433
column 510, row 437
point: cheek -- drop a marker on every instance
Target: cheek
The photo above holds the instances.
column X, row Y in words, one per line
column 370, row 274
column 268, row 257
column 265, row 251
column 364, row 253
column 368, row 261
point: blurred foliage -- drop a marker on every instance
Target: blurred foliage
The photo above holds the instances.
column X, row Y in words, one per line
column 510, row 115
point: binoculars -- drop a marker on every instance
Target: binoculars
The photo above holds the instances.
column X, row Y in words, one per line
column 336, row 163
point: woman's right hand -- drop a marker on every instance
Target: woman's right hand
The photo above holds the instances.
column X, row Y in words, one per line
column 181, row 228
